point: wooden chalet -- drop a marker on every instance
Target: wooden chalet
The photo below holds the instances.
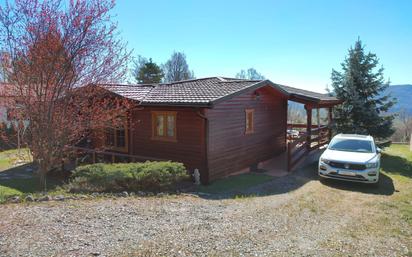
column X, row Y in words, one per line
column 216, row 125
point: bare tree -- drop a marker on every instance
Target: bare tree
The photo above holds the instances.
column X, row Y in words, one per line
column 295, row 115
column 176, row 68
column 4, row 64
column 406, row 124
column 55, row 50
column 251, row 74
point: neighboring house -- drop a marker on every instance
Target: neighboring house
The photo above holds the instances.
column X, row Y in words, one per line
column 4, row 97
column 216, row 125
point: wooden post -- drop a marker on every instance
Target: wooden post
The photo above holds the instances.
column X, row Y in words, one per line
column 318, row 121
column 289, row 160
column 308, row 127
column 113, row 158
column 330, row 118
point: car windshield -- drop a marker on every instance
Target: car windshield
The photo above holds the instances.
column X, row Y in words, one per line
column 351, row 145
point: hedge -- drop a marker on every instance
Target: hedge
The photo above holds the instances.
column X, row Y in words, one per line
column 147, row 176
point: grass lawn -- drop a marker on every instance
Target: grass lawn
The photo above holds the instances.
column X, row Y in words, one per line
column 8, row 157
column 397, row 164
column 23, row 186
column 20, row 185
column 235, row 183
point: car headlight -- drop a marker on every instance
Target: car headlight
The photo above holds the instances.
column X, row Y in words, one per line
column 371, row 165
column 324, row 160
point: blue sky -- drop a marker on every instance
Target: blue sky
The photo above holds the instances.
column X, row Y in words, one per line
column 291, row 42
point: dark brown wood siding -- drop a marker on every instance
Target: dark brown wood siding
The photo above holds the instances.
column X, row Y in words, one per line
column 230, row 149
column 189, row 147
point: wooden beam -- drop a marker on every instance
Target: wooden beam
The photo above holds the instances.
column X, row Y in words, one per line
column 289, row 164
column 318, row 120
column 330, row 119
column 308, row 126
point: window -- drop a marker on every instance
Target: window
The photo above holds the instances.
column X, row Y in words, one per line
column 249, row 126
column 164, row 126
column 351, row 145
column 116, row 138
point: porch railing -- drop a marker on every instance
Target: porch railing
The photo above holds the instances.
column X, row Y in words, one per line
column 298, row 147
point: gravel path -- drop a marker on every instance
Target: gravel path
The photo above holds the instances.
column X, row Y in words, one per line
column 304, row 218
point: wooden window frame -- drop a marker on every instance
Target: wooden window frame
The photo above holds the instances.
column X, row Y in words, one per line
column 114, row 147
column 251, row 130
column 165, row 137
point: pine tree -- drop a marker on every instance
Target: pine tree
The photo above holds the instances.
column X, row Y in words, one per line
column 360, row 85
column 149, row 73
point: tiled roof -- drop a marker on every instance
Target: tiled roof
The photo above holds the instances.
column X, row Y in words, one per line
column 204, row 92
column 199, row 91
column 135, row 92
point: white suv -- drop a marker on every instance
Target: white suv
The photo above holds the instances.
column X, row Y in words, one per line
column 352, row 158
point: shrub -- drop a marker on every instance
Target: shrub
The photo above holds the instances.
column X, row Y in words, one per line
column 147, row 176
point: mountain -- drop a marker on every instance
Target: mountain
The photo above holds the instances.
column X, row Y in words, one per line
column 403, row 94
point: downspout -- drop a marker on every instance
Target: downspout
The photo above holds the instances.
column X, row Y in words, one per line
column 206, row 129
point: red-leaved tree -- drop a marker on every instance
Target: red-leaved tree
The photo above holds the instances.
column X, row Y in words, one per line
column 58, row 53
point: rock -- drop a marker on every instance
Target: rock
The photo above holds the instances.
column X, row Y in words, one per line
column 95, row 254
column 59, row 198
column 29, row 198
column 131, row 194
column 141, row 193
column 124, row 194
column 45, row 198
column 14, row 199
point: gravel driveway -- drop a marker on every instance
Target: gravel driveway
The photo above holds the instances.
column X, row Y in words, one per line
column 304, row 218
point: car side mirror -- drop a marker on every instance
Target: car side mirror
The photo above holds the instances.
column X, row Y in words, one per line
column 378, row 150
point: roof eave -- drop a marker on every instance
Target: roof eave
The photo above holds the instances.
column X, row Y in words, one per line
column 312, row 100
column 171, row 104
column 251, row 87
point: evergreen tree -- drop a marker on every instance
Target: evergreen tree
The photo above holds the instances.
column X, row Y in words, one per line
column 149, row 73
column 360, row 85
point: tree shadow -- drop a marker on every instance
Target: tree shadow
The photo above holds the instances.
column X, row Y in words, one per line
column 298, row 178
column 385, row 185
column 23, row 179
column 396, row 165
column 265, row 185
